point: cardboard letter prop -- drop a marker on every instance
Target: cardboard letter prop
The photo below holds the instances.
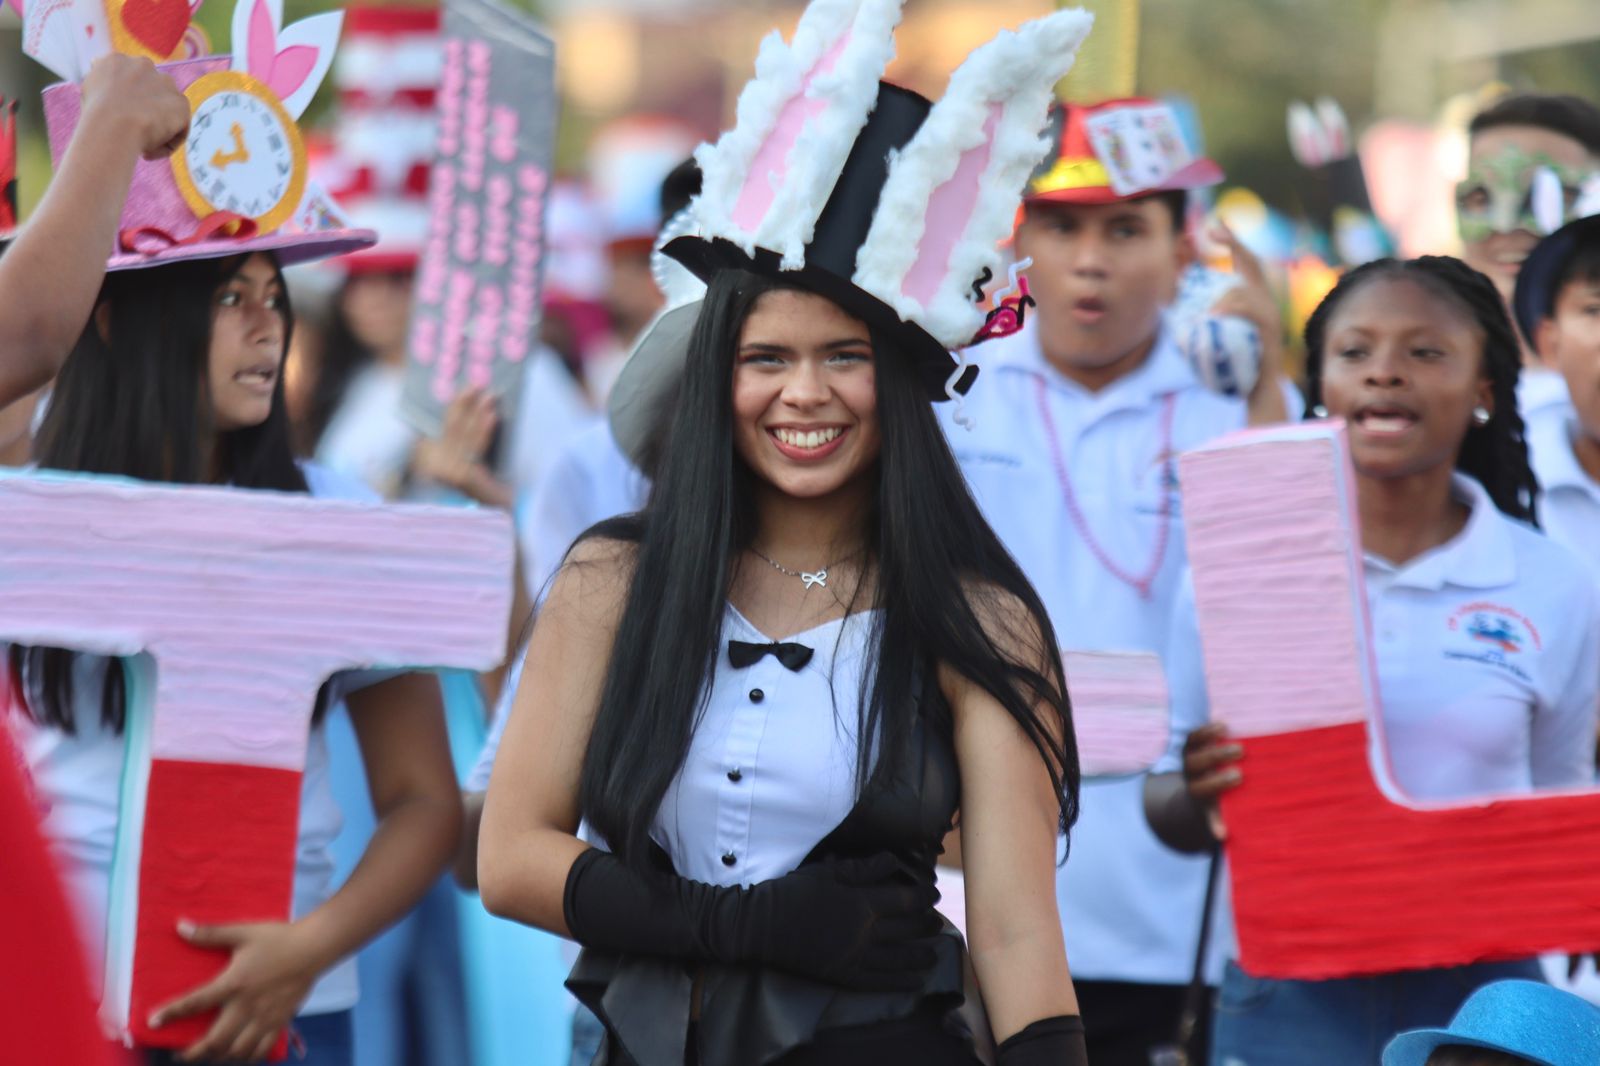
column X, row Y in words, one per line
column 246, row 602
column 1119, row 710
column 1334, row 873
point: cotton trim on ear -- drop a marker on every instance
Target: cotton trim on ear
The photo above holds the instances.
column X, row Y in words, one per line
column 992, row 112
column 796, row 122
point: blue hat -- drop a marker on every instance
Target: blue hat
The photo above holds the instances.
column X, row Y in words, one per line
column 1542, row 1024
column 1536, row 281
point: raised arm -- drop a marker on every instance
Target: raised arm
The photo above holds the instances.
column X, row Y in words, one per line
column 51, row 274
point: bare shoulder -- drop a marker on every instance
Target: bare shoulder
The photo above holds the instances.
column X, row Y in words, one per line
column 1006, row 619
column 592, row 585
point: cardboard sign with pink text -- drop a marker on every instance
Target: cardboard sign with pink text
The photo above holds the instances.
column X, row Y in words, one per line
column 1335, row 871
column 230, row 608
column 475, row 317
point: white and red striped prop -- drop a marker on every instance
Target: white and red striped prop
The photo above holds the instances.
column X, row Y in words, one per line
column 1334, row 872
column 246, row 602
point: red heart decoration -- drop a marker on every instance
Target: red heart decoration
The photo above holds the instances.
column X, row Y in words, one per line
column 151, row 28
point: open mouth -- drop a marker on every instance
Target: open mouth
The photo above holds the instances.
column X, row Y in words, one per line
column 258, row 379
column 1089, row 310
column 807, row 443
column 1385, row 420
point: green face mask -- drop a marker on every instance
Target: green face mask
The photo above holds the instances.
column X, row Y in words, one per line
column 1497, row 196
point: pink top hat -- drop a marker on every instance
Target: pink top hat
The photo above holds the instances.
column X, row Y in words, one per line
column 238, row 185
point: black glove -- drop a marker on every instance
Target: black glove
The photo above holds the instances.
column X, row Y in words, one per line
column 866, row 924
column 1054, row 1041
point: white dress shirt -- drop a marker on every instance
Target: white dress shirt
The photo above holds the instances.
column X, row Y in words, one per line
column 771, row 768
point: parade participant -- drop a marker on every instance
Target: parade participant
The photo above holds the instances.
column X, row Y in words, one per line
column 1508, row 143
column 1072, row 457
column 1484, row 629
column 774, row 806
column 177, row 378
column 1557, row 305
column 202, row 343
column 52, row 270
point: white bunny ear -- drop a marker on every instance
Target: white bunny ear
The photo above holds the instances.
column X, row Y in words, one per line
column 293, row 62
column 952, row 193
column 767, row 180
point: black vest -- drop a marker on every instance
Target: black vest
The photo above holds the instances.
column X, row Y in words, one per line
column 751, row 1016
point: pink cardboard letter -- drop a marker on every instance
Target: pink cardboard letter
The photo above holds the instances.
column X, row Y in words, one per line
column 247, row 602
column 1333, row 874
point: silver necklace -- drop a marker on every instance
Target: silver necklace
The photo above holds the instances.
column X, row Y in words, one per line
column 818, row 577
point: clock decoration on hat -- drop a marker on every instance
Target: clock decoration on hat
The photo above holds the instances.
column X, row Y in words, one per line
column 239, row 184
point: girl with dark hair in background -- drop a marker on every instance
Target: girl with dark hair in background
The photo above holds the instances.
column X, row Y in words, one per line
column 769, row 692
column 177, row 378
column 1484, row 630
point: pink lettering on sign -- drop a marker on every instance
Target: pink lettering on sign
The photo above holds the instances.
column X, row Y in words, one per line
column 497, row 220
column 503, row 134
column 451, row 80
column 435, row 261
column 247, row 602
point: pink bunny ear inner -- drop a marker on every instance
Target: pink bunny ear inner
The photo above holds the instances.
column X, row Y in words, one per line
column 772, row 158
column 950, row 209
column 262, row 48
column 16, row 5
column 290, row 68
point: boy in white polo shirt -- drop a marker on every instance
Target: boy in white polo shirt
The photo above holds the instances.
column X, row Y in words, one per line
column 1078, row 420
column 1557, row 306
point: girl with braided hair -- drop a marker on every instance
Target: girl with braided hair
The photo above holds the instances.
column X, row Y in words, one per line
column 1484, row 629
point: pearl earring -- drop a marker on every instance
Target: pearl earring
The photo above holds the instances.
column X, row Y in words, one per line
column 1481, row 415
column 1319, row 411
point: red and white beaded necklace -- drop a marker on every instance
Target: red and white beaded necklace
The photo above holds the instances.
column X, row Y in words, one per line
column 1141, row 582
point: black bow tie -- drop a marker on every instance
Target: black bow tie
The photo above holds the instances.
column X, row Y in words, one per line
column 742, row 654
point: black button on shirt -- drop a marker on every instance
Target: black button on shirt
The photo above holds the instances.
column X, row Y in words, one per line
column 729, row 859
column 756, row 695
column 735, row 775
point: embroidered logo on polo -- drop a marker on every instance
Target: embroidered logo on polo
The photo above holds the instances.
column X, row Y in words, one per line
column 1494, row 634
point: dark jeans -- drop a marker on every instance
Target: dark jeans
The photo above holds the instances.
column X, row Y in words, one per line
column 1270, row 1022
column 328, row 1038
column 1125, row 1023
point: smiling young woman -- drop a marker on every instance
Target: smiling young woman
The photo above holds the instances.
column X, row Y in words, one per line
column 769, row 692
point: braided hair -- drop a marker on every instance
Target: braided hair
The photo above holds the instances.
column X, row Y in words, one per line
column 1496, row 454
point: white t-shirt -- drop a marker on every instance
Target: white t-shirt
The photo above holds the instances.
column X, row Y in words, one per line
column 1130, row 906
column 77, row 780
column 1569, row 509
column 1488, row 658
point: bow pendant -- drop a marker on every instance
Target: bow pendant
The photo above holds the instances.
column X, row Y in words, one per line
column 818, row 578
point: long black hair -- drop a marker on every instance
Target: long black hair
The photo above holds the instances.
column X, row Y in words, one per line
column 940, row 575
column 135, row 403
column 1495, row 454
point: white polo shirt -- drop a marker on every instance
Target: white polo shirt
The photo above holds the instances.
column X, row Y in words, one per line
column 1130, row 906
column 1569, row 509
column 1488, row 657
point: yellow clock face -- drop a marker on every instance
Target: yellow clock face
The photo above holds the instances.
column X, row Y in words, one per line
column 244, row 153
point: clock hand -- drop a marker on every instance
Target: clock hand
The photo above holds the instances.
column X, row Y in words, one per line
column 240, row 153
